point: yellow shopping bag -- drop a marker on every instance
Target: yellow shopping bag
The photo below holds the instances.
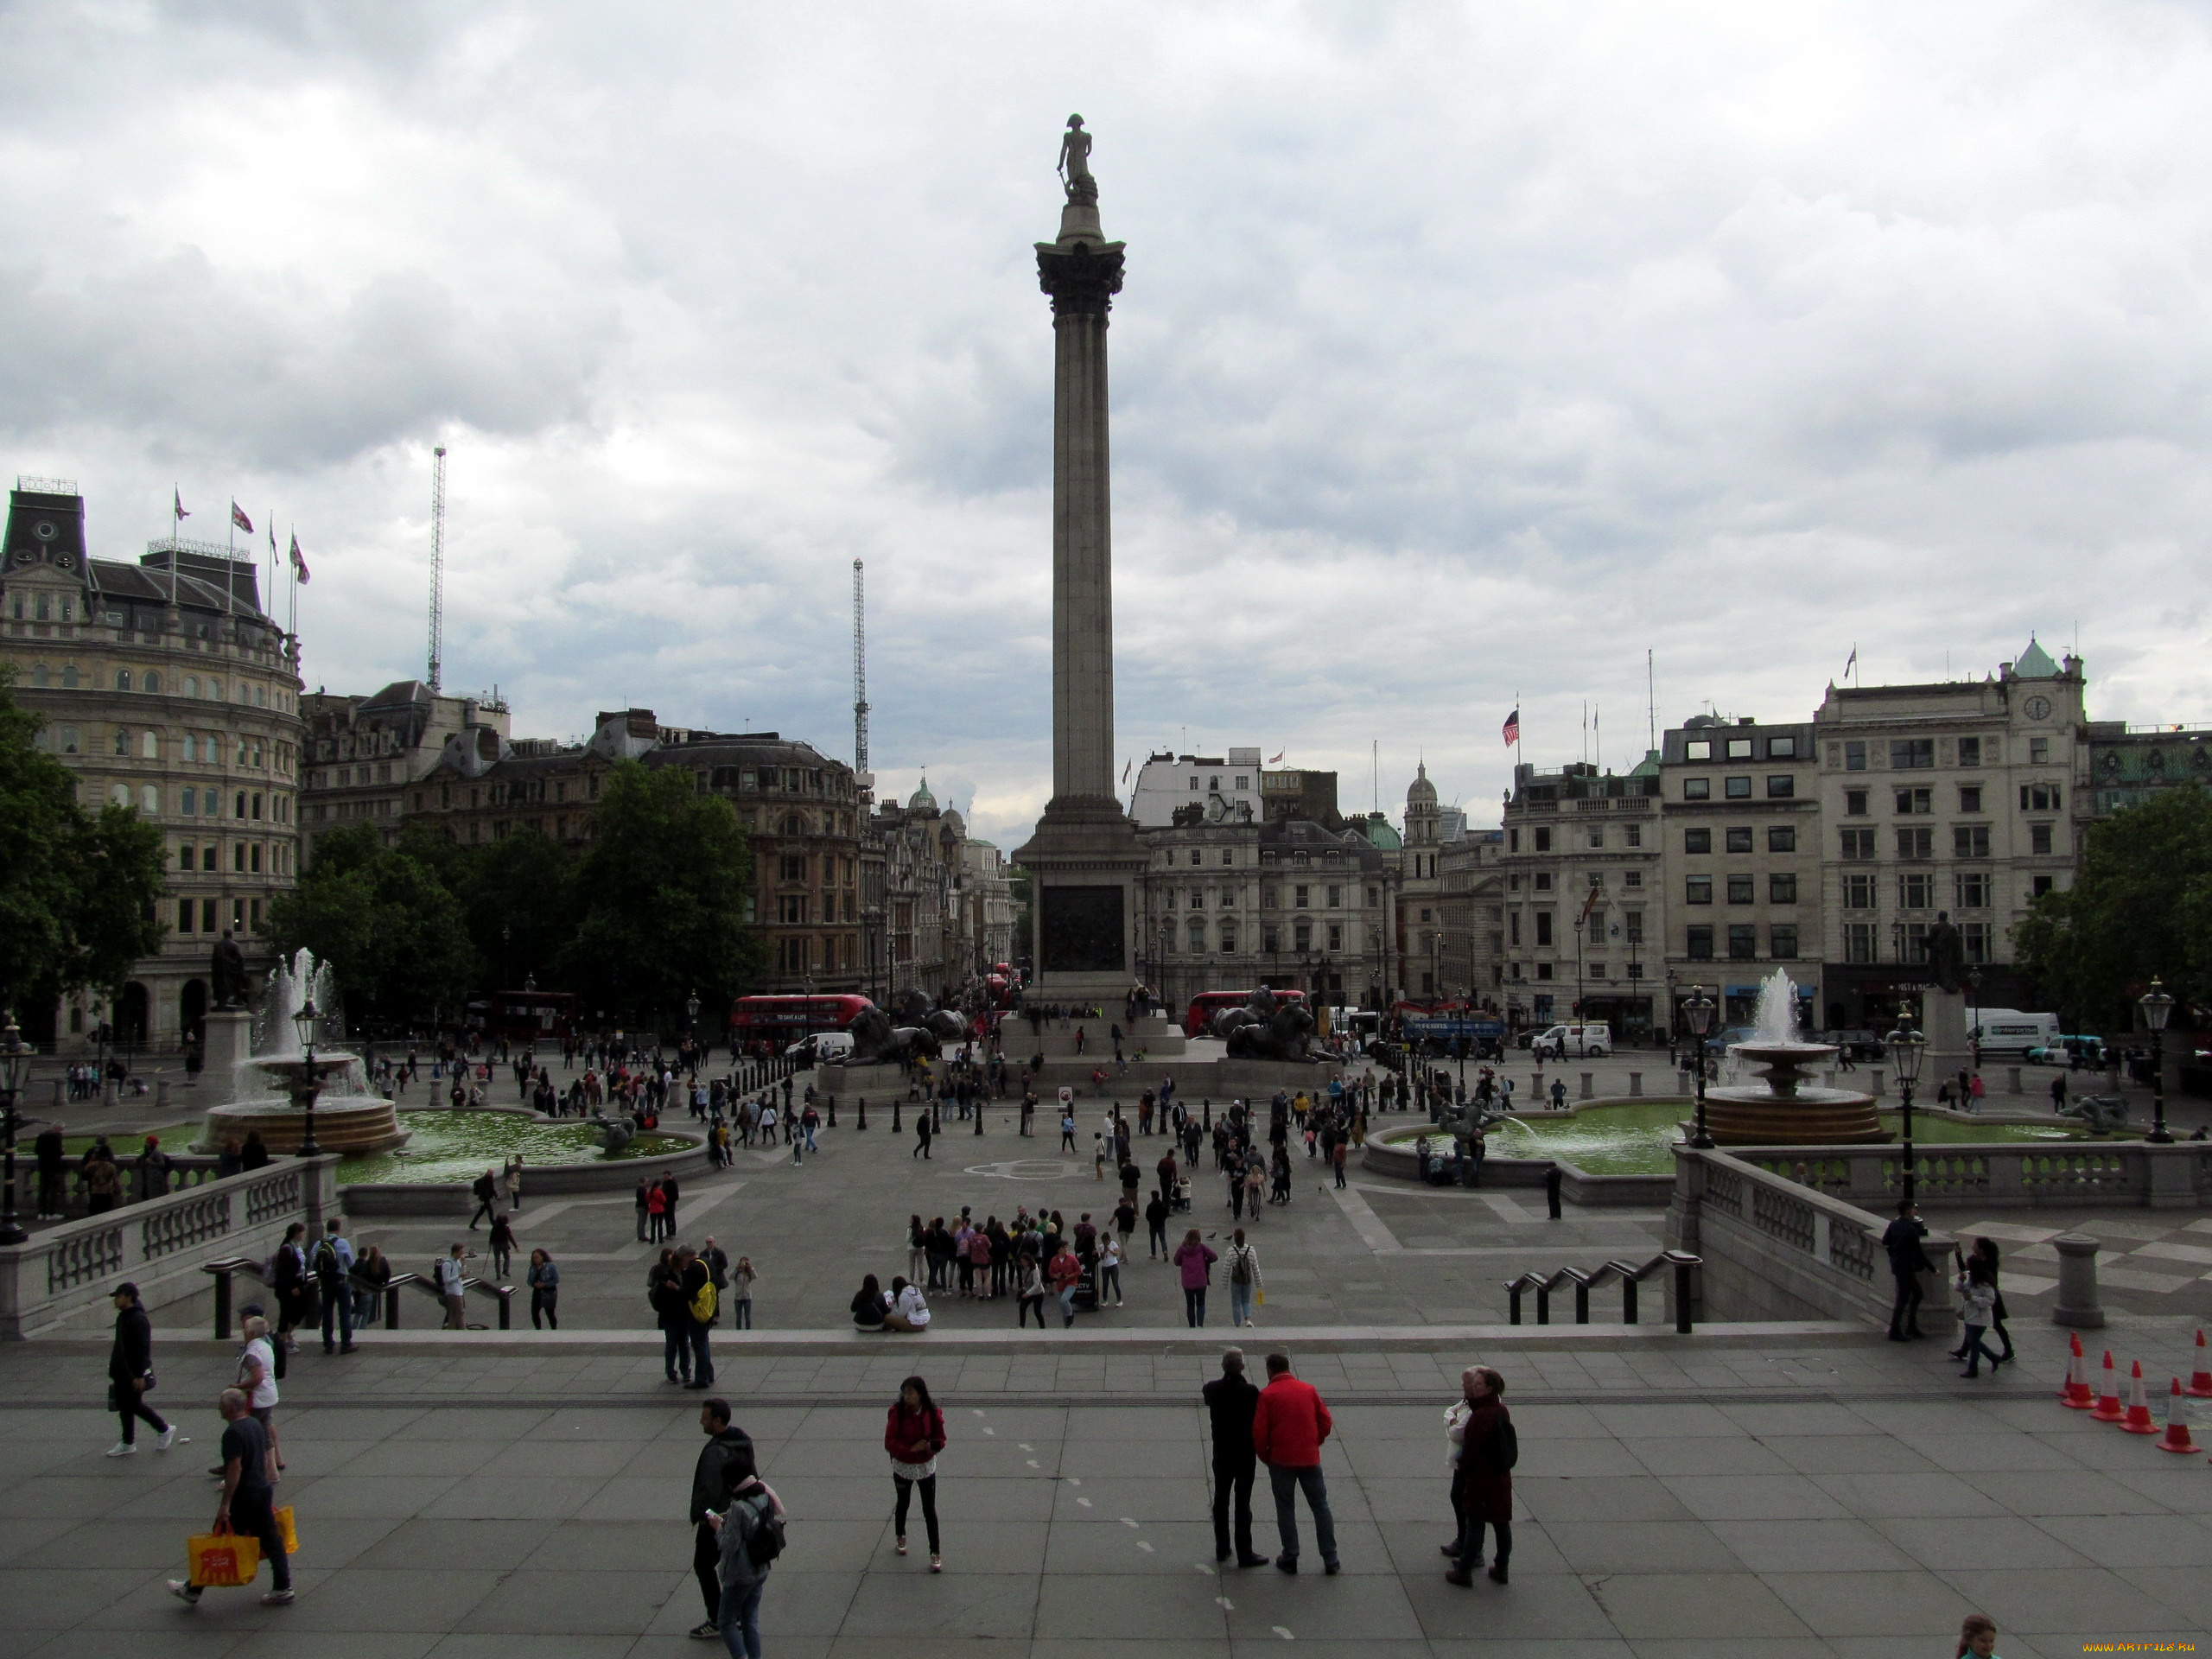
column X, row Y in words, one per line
column 291, row 1533
column 1260, row 1298
column 221, row 1560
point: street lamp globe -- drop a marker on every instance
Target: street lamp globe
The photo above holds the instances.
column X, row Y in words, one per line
column 2158, row 1006
column 1908, row 1048
column 1698, row 1010
column 306, row 1019
column 691, row 1008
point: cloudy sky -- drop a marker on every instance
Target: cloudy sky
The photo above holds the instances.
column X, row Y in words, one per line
column 1466, row 353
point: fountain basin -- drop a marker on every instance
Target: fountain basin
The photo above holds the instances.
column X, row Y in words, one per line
column 1806, row 1116
column 343, row 1123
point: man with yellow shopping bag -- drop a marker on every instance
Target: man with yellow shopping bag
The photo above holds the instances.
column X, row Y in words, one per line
column 247, row 1528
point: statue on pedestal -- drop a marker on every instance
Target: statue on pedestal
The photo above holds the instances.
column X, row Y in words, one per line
column 227, row 969
column 1074, row 164
column 1946, row 954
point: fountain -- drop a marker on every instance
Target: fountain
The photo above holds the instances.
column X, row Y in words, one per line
column 271, row 1086
column 1786, row 1111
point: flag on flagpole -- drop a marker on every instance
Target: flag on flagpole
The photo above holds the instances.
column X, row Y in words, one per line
column 1512, row 728
column 1126, row 765
column 299, row 562
column 1853, row 661
column 1278, row 759
column 180, row 515
column 238, row 518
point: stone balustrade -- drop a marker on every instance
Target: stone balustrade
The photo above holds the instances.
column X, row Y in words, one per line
column 2002, row 1175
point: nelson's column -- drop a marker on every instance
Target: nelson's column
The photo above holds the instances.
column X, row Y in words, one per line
column 1084, row 860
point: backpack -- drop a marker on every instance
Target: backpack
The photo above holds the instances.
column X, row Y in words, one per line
column 703, row 1302
column 1240, row 1272
column 1505, row 1445
column 766, row 1542
column 325, row 1266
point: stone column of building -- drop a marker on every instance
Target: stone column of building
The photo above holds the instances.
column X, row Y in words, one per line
column 1084, row 858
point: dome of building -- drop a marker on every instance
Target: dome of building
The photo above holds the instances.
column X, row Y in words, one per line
column 922, row 800
column 1378, row 833
column 1420, row 792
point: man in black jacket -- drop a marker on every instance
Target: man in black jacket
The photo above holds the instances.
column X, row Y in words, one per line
column 50, row 1152
column 1908, row 1260
column 723, row 1438
column 130, row 1373
column 1231, row 1401
column 486, row 1188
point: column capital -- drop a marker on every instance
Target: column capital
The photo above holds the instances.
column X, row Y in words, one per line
column 1082, row 279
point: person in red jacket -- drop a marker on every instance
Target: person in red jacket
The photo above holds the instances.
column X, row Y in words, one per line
column 1288, row 1425
column 913, row 1433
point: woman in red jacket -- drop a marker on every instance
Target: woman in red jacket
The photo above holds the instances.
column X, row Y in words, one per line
column 913, row 1434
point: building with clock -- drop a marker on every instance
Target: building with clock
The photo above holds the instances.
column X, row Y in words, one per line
column 166, row 689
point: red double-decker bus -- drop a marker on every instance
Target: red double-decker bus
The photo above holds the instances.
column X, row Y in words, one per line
column 1199, row 1016
column 789, row 1018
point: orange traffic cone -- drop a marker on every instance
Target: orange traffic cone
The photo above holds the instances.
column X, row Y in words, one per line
column 2076, row 1393
column 2138, row 1421
column 2176, row 1436
column 2200, row 1380
column 2107, row 1409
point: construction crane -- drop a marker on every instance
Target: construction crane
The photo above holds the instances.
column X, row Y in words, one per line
column 860, row 676
column 437, row 562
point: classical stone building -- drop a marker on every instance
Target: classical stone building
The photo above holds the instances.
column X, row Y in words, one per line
column 1965, row 797
column 927, row 944
column 364, row 752
column 1740, row 810
column 2128, row 764
column 1473, row 962
column 165, row 688
column 1582, row 897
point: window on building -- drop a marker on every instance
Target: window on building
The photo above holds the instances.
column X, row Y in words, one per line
column 1228, row 938
column 792, row 909
column 1513, row 841
column 1336, row 937
column 1543, row 927
column 1737, row 789
column 1911, row 801
column 2038, row 751
column 1975, row 937
column 1782, row 748
column 1596, row 837
column 791, row 867
column 1742, row 942
column 2044, row 884
column 2038, row 838
column 1859, row 941
column 1513, row 928
column 1854, row 757
column 185, row 912
column 1302, row 899
column 1697, row 748
column 1697, row 841
column 1970, row 841
column 1196, row 934
column 1301, row 936
column 69, row 740
column 1970, row 798
column 1781, row 838
column 1199, row 898
column 1543, row 880
column 1912, row 753
column 1227, row 856
column 1970, row 889
column 1270, row 941
column 1739, row 890
column 1740, row 748
column 1632, row 926
column 1739, row 840
column 1543, row 840
column 1970, row 753
column 1858, row 890
column 1633, row 834
column 1781, row 941
column 1916, row 891
column 1698, row 945
column 1858, row 843
column 1780, row 786
column 1854, row 803
column 1632, row 878
column 1782, row 889
column 1916, row 844
column 2039, row 797
column 1336, row 899
column 1697, row 789
column 1697, row 890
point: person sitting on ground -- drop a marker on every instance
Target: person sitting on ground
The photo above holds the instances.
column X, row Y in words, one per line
column 909, row 1310
column 869, row 1305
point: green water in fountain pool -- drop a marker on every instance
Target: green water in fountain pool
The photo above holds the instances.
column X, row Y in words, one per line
column 1639, row 1140
column 460, row 1146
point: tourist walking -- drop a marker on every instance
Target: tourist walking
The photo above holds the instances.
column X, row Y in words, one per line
column 1196, row 1261
column 1231, row 1401
column 502, row 1243
column 1242, row 1263
column 749, row 1530
column 1984, row 1260
column 371, row 1273
column 453, row 1286
column 256, row 1378
column 130, row 1376
column 1288, row 1425
column 332, row 1264
column 644, row 1208
column 1482, row 1478
column 545, row 1280
column 288, row 1282
column 1901, row 1241
column 724, row 1440
column 247, row 1506
column 486, row 1188
column 1977, row 1313
column 913, row 1433
column 1109, row 1269
column 1029, row 1292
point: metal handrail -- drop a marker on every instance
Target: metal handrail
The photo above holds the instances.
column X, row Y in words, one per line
column 1630, row 1274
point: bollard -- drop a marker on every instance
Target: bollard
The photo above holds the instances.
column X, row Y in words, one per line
column 1588, row 1093
column 1636, row 1083
column 1684, row 1266
column 979, row 1114
column 2012, row 1080
column 895, row 1127
column 2078, row 1304
column 161, row 1095
column 1553, row 1179
column 57, row 1094
column 833, row 1111
column 860, row 1122
column 1875, row 1087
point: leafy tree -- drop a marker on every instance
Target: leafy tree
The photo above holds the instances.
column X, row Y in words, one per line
column 391, row 931
column 77, row 891
column 2140, row 907
column 661, row 896
column 518, row 896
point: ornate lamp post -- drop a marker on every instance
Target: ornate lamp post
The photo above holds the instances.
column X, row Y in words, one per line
column 1698, row 1011
column 1908, row 1048
column 14, row 1053
column 309, row 1085
column 2158, row 1008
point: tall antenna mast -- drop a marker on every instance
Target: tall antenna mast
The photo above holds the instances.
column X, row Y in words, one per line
column 437, row 562
column 860, row 673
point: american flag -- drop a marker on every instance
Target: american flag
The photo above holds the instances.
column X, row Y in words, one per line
column 1513, row 729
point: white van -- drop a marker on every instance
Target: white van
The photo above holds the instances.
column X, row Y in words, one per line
column 1582, row 1042
column 822, row 1048
column 2007, row 1031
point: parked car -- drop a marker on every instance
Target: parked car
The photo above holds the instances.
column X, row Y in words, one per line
column 1583, row 1042
column 2077, row 1051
